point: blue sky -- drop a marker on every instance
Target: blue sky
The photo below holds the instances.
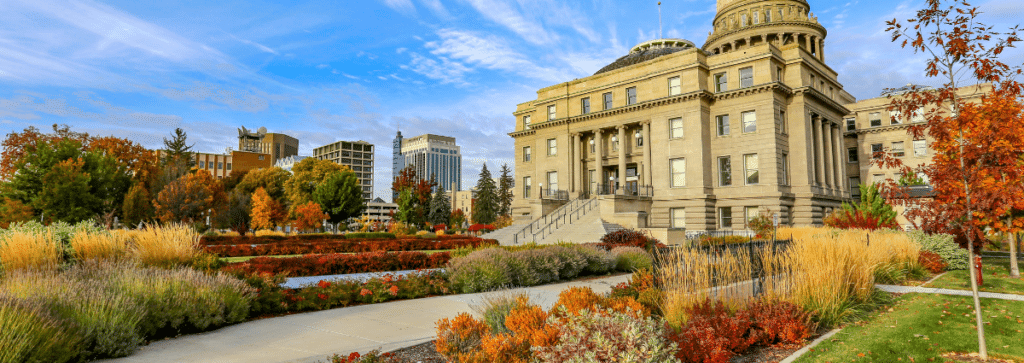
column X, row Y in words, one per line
column 346, row 70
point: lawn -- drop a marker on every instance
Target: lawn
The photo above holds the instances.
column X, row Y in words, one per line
column 921, row 327
column 996, row 276
column 246, row 258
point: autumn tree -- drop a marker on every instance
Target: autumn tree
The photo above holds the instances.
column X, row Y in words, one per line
column 189, row 198
column 418, row 206
column 308, row 216
column 457, row 219
column 235, row 213
column 440, row 207
column 12, row 211
column 19, row 144
column 272, row 180
column 973, row 149
column 307, row 174
column 340, row 196
column 233, row 178
column 485, row 207
column 140, row 162
column 261, row 215
column 505, row 191
column 137, row 206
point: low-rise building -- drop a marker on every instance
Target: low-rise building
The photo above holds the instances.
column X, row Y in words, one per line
column 379, row 210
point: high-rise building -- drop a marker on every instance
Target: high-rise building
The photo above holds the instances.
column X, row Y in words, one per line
column 397, row 162
column 279, row 146
column 357, row 156
column 433, row 155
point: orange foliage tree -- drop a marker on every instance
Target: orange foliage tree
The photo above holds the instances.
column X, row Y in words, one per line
column 262, row 212
column 13, row 210
column 976, row 148
column 188, row 198
column 308, row 216
column 17, row 145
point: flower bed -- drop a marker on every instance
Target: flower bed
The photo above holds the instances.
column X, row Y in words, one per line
column 334, row 264
column 311, row 238
column 324, row 247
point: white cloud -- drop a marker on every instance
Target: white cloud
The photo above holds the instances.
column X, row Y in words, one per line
column 442, row 69
column 28, row 107
column 322, row 66
column 402, row 6
column 437, row 8
column 491, row 53
column 505, row 15
column 257, row 45
column 240, row 100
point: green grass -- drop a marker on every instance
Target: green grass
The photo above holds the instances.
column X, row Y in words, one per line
column 921, row 327
column 996, row 278
column 247, row 258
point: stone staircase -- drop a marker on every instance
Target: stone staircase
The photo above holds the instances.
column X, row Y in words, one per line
column 578, row 221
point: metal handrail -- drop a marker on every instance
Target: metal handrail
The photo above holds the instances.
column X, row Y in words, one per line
column 565, row 219
column 543, row 221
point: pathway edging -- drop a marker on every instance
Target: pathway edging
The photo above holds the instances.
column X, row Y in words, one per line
column 929, row 290
column 793, row 357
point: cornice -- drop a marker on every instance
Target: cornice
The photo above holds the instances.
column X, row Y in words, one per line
column 886, row 128
column 716, row 37
column 821, row 97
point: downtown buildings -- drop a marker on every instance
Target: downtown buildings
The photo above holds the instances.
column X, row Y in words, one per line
column 357, row 156
column 431, row 156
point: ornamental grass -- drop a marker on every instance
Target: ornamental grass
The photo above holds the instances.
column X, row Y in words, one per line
column 30, row 250
column 691, row 275
column 168, row 245
column 113, row 245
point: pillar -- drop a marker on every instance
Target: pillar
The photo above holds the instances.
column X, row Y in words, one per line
column 819, row 169
column 828, row 160
column 577, row 165
column 821, row 50
column 622, row 158
column 837, row 142
column 599, row 158
column 648, row 172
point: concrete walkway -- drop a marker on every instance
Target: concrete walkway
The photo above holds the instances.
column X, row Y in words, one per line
column 312, row 337
column 299, row 282
column 928, row 290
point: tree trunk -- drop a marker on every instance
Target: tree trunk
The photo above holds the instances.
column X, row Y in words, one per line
column 1014, row 269
column 982, row 349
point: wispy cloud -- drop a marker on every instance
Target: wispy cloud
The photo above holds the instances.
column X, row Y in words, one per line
column 257, row 45
column 441, row 69
column 402, row 6
column 504, row 14
column 490, row 52
column 29, row 107
column 436, row 7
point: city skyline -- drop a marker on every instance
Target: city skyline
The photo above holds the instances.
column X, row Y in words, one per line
column 324, row 73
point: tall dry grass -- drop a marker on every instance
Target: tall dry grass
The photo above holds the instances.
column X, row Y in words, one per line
column 267, row 232
column 112, row 246
column 22, row 250
column 168, row 245
column 830, row 273
column 692, row 275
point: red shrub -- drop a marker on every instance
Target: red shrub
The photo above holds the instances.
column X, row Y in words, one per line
column 481, row 227
column 332, row 264
column 844, row 219
column 780, row 322
column 629, row 238
column 714, row 334
column 345, row 246
column 932, row 261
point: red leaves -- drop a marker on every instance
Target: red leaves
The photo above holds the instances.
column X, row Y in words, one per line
column 295, row 247
column 931, row 261
column 714, row 334
column 332, row 264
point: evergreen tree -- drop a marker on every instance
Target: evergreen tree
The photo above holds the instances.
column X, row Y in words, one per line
column 178, row 150
column 505, row 191
column 440, row 207
column 485, row 207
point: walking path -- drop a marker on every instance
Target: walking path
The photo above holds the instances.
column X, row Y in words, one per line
column 928, row 290
column 298, row 282
column 312, row 337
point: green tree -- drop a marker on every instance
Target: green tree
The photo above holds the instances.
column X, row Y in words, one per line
column 307, row 174
column 177, row 149
column 405, row 206
column 419, row 190
column 340, row 196
column 66, row 196
column 485, row 207
column 138, row 205
column 874, row 205
column 505, row 191
column 272, row 180
column 232, row 180
column 440, row 207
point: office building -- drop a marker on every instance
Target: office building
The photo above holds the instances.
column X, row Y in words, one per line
column 357, row 156
column 277, row 145
column 432, row 155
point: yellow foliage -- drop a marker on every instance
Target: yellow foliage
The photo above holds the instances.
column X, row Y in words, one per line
column 262, row 213
column 20, row 250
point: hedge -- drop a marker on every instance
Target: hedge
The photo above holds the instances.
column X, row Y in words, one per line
column 323, row 247
column 333, row 264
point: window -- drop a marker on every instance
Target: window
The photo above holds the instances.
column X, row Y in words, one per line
column 673, row 86
column 920, row 148
column 746, row 77
column 918, row 116
column 721, row 82
column 261, row 157
column 678, row 169
column 527, row 153
column 229, row 166
column 551, row 112
column 897, row 149
column 875, row 149
column 607, row 100
column 878, row 178
column 592, row 179
column 778, row 72
column 724, row 171
column 851, row 155
column 784, row 177
column 526, row 122
column 552, row 147
column 725, row 217
column 782, row 121
column 855, row 188
column 876, row 119
column 615, row 143
column 768, row 16
column 813, row 80
column 749, row 213
column 526, row 187
column 851, row 124
column 592, row 143
column 220, row 165
column 630, row 95
column 552, row 180
column 202, row 165
column 757, row 17
column 678, row 216
column 639, row 136
column 723, row 124
column 896, row 117
column 743, row 20
column 749, row 121
column 585, row 105
column 750, row 168
column 676, row 126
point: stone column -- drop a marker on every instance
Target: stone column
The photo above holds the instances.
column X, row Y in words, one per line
column 622, row 158
column 577, row 164
column 807, row 42
column 648, row 174
column 599, row 157
column 821, row 50
column 837, row 142
column 816, row 150
column 828, row 160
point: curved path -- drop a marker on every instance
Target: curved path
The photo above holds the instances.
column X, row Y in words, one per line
column 312, row 337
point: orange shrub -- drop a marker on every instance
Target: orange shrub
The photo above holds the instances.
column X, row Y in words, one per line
column 575, row 299
column 460, row 339
column 506, row 348
column 531, row 321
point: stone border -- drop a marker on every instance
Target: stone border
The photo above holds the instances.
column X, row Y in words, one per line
column 793, row 357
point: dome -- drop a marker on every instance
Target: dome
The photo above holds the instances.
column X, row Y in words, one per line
column 647, row 51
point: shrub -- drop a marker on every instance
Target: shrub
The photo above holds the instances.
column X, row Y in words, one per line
column 295, row 246
column 779, row 322
column 722, row 240
column 166, row 246
column 492, row 268
column 606, row 336
column 632, row 258
column 459, row 339
column 374, row 356
column 713, row 333
column 30, row 333
column 494, row 310
column 481, row 228
column 427, row 235
column 25, row 250
column 598, row 260
column 856, row 219
column 943, row 245
column 111, row 246
column 331, row 264
column 932, row 261
column 628, row 238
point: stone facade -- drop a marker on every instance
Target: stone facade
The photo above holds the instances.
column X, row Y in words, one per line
column 683, row 137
